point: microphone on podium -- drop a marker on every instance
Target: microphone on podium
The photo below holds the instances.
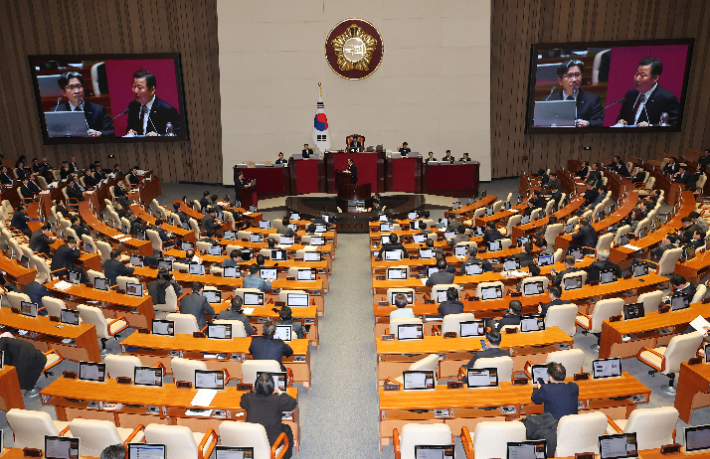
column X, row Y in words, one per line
column 120, row 114
column 550, row 95
column 59, row 101
column 617, row 102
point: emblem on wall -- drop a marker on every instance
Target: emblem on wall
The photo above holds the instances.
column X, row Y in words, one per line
column 354, row 49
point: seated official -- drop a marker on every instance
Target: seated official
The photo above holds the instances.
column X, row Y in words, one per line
column 64, row 258
column 75, row 190
column 286, row 318
column 620, row 167
column 164, row 236
column 41, row 239
column 136, row 225
column 307, row 151
column 452, row 305
column 440, row 277
column 402, row 311
column 584, row 171
column 133, row 178
column 602, row 264
column 512, row 315
column 355, row 144
column 448, row 157
column 465, row 157
column 537, row 200
column 700, row 221
column 680, row 286
column 439, row 255
column 541, row 244
column 89, row 181
column 265, row 405
column 5, row 178
column 585, row 236
column 36, row 290
column 281, row 159
column 633, row 220
column 595, row 175
column 430, row 157
column 555, row 293
column 235, row 257
column 672, row 166
column 197, row 305
column 254, row 281
column 209, row 223
column 591, row 194
column 704, row 159
column 78, row 228
column 147, row 114
column 182, row 215
column 554, row 183
column 689, row 227
column 157, row 287
column 205, row 201
column 393, row 244
column 491, row 234
column 698, row 239
column 405, row 150
column 113, row 267
column 684, row 177
column 526, row 257
column 25, row 189
column 639, row 177
column 235, row 312
column 61, row 209
column 460, row 236
column 493, row 339
column 569, row 268
column 20, row 219
column 98, row 121
column 267, row 348
column 473, row 259
column 668, row 242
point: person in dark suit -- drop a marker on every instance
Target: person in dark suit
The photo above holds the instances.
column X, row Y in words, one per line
column 393, row 244
column 512, row 316
column 65, row 256
column 78, row 228
column 265, row 405
column 307, row 151
column 465, row 157
column 525, row 257
column 644, row 104
column 595, row 175
column 589, row 106
column 75, row 190
column 61, row 209
column 491, row 234
column 234, row 312
column 205, row 200
column 554, row 183
column 149, row 115
column 286, row 318
column 133, row 178
column 688, row 229
column 704, row 159
column 352, row 169
column 405, row 150
column 602, row 264
column 452, row 305
column 25, row 189
column 448, row 157
column 619, row 166
column 492, row 350
column 698, row 239
column 41, row 240
column 537, row 200
column 209, row 223
column 121, row 194
column 241, row 182
column 586, row 236
column 569, row 268
column 672, row 167
column 668, row 242
column 113, row 267
column 554, row 293
column 685, row 177
column 89, row 181
column 196, row 304
column 5, row 178
column 267, row 348
column 559, row 398
column 98, row 120
column 591, row 194
column 440, row 277
column 584, row 171
column 281, row 159
column 355, row 144
column 473, row 259
column 679, row 285
column 430, row 157
column 36, row 290
column 20, row 219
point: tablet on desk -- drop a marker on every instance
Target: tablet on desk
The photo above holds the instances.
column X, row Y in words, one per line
column 163, row 327
column 495, row 246
column 286, row 241
column 461, row 250
column 253, row 299
column 697, row 438
column 284, row 333
column 618, row 446
column 165, row 264
column 278, row 255
column 231, row 272
column 311, row 255
column 61, row 447
column 491, row 293
column 90, row 371
column 148, row 451
column 531, row 449
column 606, row 368
column 196, row 269
column 28, row 309
column 297, row 300
column 230, row 235
column 148, row 376
column 434, row 451
column 532, row 323
column 472, row 329
column 418, row 380
column 213, row 296
column 228, row 452
column 533, row 288
column 396, row 273
column 219, row 331
column 473, row 269
column 426, row 254
column 74, row 277
column 511, row 264
column 264, row 224
column 481, row 377
column 317, row 241
column 185, row 246
column 207, row 379
column 268, row 273
column 640, row 269
column 572, row 283
column 256, row 238
column 440, row 296
column 410, row 332
column 68, row 316
column 633, row 311
column 215, row 250
column 134, row 289
column 385, row 227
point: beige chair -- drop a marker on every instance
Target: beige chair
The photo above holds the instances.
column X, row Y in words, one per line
column 604, row 242
column 121, row 366
column 104, row 249
column 666, row 265
column 452, row 322
column 420, row 434
column 535, row 214
column 88, row 242
column 622, row 231
column 578, row 433
column 123, row 280
column 550, row 207
column 97, row 434
column 563, row 316
column 512, row 222
column 183, row 442
column 504, row 365
column 53, row 306
column 489, row 284
column 534, row 279
column 506, row 243
column 185, row 324
column 104, row 330
column 155, row 240
column 16, row 299
column 29, row 427
column 552, row 232
column 251, row 367
column 184, row 369
column 392, row 291
column 238, row 433
column 491, row 438
column 654, row 427
column 647, row 187
column 571, row 359
column 667, row 360
column 602, row 311
column 238, row 330
column 92, row 275
column 428, row 363
column 170, row 305
column 443, row 288
column 395, row 323
column 699, row 294
column 557, row 255
column 650, row 300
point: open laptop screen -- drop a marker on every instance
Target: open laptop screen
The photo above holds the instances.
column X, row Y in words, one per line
column 440, row 296
column 679, row 301
column 461, row 250
column 196, row 268
column 640, row 269
column 511, row 264
column 278, row 255
column 268, row 273
column 74, row 277
column 471, row 329
column 606, row 368
column 219, row 331
column 134, row 289
column 410, row 332
column 147, row 451
column 531, row 449
column 482, row 377
column 607, row 276
column 148, row 376
column 618, row 446
column 316, row 241
column 297, row 300
column 522, row 240
column 539, row 372
column 418, row 380
column 426, row 254
column 206, row 379
column 310, row 255
column 101, row 283
column 257, row 238
column 393, row 255
column 163, row 327
column 419, row 238
column 231, row 272
column 165, row 264
column 697, row 438
column 230, row 235
column 495, row 246
column 253, row 299
column 286, row 241
column 61, row 447
column 89, row 371
column 491, row 293
column 215, row 250
column 136, row 260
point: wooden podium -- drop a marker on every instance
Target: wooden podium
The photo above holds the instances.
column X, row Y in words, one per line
column 247, row 196
column 349, row 191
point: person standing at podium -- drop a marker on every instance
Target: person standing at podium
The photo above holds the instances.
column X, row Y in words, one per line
column 352, row 170
column 405, row 150
column 307, row 151
column 241, row 182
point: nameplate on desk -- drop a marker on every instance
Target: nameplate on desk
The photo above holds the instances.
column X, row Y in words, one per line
column 280, row 304
column 475, row 298
column 706, row 300
column 382, row 303
column 511, row 331
column 183, row 384
column 32, row 452
column 53, row 319
column 309, row 321
column 15, row 311
column 144, row 331
column 616, row 318
column 388, row 337
column 451, row 335
column 123, row 380
column 581, row 377
column 290, row 278
column 695, row 361
column 454, row 385
column 428, row 301
column 520, row 381
column 671, row 449
column 120, row 291
column 584, row 456
column 664, row 309
column 593, row 283
column 376, row 277
column 628, row 276
column 245, row 387
column 261, row 320
column 69, row 374
column 198, row 335
column 391, row 387
column 299, row 358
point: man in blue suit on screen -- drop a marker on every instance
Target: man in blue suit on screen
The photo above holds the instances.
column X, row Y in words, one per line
column 149, row 115
column 98, row 122
column 589, row 106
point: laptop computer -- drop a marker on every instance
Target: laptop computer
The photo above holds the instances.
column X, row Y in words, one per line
column 461, row 250
column 481, row 377
column 213, row 296
column 134, row 289
column 297, row 300
column 431, row 270
column 393, row 255
column 268, row 273
column 66, row 124
column 426, row 254
column 679, row 301
column 229, row 452
column 231, row 272
column 318, row 241
column 618, row 446
column 147, row 451
column 606, row 368
column 418, row 380
column 219, row 331
column 555, row 113
column 419, row 238
column 207, row 379
column 697, row 438
column 396, row 273
column 215, row 250
column 163, row 327
column 523, row 240
column 56, row 447
column 28, row 309
column 441, row 296
column 410, row 332
column 148, row 376
column 310, row 255
column 67, row 316
column 511, row 264
column 196, row 269
column 530, row 449
column 495, row 246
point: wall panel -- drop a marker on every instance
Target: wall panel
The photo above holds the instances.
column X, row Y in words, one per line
column 516, row 24
column 188, row 27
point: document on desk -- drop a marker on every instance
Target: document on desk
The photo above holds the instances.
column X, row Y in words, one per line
column 62, row 285
column 203, row 397
column 631, row 247
column 248, row 311
column 699, row 324
column 424, row 279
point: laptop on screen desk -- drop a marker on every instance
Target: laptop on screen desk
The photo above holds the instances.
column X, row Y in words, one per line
column 66, row 124
column 555, row 113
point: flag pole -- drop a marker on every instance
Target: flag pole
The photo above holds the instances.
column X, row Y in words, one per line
column 320, row 93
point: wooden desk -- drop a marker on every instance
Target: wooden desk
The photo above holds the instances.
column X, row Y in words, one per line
column 502, row 215
column 451, row 179
column 672, row 190
column 695, row 269
column 394, row 357
column 463, row 212
column 562, row 215
column 156, row 348
column 49, row 335
column 11, row 394
column 15, row 272
column 466, row 405
column 643, row 331
column 138, row 311
column 150, row 190
column 186, row 235
column 693, row 391
column 642, row 284
column 142, row 247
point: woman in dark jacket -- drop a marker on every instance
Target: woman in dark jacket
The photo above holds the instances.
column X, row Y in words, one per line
column 265, row 405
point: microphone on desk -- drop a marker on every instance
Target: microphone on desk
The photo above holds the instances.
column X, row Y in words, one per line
column 120, row 114
column 617, row 102
column 59, row 101
column 550, row 95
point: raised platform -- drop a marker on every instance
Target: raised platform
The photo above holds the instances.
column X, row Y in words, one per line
column 353, row 222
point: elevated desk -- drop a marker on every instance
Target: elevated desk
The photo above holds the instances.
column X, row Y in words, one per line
column 248, row 196
column 11, row 395
column 404, row 174
column 271, row 182
column 451, row 179
column 370, row 168
column 311, row 175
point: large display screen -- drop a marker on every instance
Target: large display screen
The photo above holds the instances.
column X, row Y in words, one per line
column 110, row 98
column 608, row 86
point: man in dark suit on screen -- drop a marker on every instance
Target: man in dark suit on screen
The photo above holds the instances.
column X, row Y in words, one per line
column 149, row 115
column 355, row 144
column 644, row 104
column 589, row 106
column 97, row 119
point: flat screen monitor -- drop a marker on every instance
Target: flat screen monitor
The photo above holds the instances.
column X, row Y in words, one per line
column 396, row 273
column 213, row 296
column 219, row 331
column 230, row 235
column 278, row 255
column 414, row 225
column 545, row 260
column 569, row 228
column 577, row 253
column 148, row 376
column 426, row 254
column 482, row 377
column 410, row 332
column 479, row 231
column 90, row 371
column 472, row 328
column 321, row 229
column 633, row 311
column 56, row 447
column 294, row 216
column 134, row 289
column 525, row 219
column 606, row 368
column 163, row 327
column 231, row 452
column 640, row 269
column 697, row 438
column 256, row 238
column 140, row 235
column 146, row 451
column 494, row 292
column 440, row 296
column 412, row 215
column 418, row 380
column 253, row 299
column 530, row 449
column 533, row 288
column 434, row 451
column 607, row 276
column 679, row 301
column 489, row 212
column 311, row 255
column 393, row 255
column 419, row 238
column 618, row 446
column 185, row 246
column 495, row 246
column 165, row 264
column 532, row 323
column 523, row 240
column 572, row 282
column 408, row 295
column 280, row 379
column 75, row 277
column 284, row 333
column 473, row 269
column 68, row 316
column 539, row 372
column 385, row 239
column 269, row 273
column 231, row 272
column 196, row 269
column 297, row 300
column 136, row 260
column 264, row 224
column 511, row 264
column 28, row 309
column 317, row 241
column 207, row 379
column 215, row 250
column 24, row 261
column 449, row 235
column 286, row 241
column 461, row 250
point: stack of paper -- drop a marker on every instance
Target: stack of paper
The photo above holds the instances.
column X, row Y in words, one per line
column 62, row 285
column 203, row 397
column 632, row 247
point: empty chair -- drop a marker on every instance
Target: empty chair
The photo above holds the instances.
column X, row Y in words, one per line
column 155, row 240
column 667, row 360
column 580, row 433
column 170, row 305
column 123, row 280
column 654, row 427
column 563, row 316
column 121, row 366
column 552, row 232
column 97, row 434
column 558, row 255
column 238, row 433
column 666, row 265
column 504, row 365
column 549, row 207
column 185, row 324
column 428, row 363
column 452, row 322
column 535, row 214
column 604, row 242
column 202, row 246
column 622, row 231
column 104, row 330
column 53, row 306
column 184, row 369
column 395, row 323
column 506, row 243
column 104, row 249
column 88, row 244
column 512, row 222
column 251, row 367
column 602, row 311
column 16, row 298
column 497, row 206
column 92, row 275
column 420, row 434
column 183, row 442
column 650, row 300
column 29, row 427
column 490, row 438
column 699, row 294
column 571, row 359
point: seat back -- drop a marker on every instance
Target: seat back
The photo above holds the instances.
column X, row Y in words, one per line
column 650, row 300
column 123, row 280
column 121, row 365
column 185, row 324
column 104, row 249
column 154, row 239
column 488, row 284
column 604, row 242
column 680, row 349
column 428, row 363
column 238, row 330
column 549, row 207
column 442, row 288
column 700, row 184
column 41, row 265
column 171, row 303
column 563, row 316
column 406, row 291
column 92, row 315
column 239, row 433
column 574, row 274
column 571, row 359
column 395, row 323
column 622, row 231
column 506, row 243
column 512, row 221
column 531, row 280
column 29, row 427
column 16, row 298
column 653, row 426
column 699, row 293
column 504, row 365
column 497, row 206
column 54, row 306
column 195, row 228
column 552, row 232
column 90, row 241
column 490, row 438
column 478, row 213
column 423, row 434
column 666, row 265
column 251, row 367
column 558, row 255
column 92, row 275
column 603, row 310
column 202, row 246
column 179, row 438
column 95, row 435
column 535, row 214
column 451, row 322
column 184, row 369
column 580, row 433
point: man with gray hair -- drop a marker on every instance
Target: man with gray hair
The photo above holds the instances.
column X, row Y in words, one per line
column 117, row 451
column 602, row 264
column 36, row 290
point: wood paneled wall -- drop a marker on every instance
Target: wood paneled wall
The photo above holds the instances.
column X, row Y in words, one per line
column 519, row 23
column 188, row 27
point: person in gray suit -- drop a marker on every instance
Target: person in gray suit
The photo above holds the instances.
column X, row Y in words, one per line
column 196, row 304
column 286, row 318
column 235, row 313
column 441, row 276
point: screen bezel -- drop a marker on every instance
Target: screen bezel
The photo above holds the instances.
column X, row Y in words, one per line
column 468, row 381
column 621, row 369
column 177, row 60
column 526, row 442
column 399, row 327
column 224, row 379
column 162, row 321
column 102, row 366
column 61, row 438
column 132, row 445
column 623, row 434
column 135, row 370
column 693, row 428
column 427, row 374
column 532, row 79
